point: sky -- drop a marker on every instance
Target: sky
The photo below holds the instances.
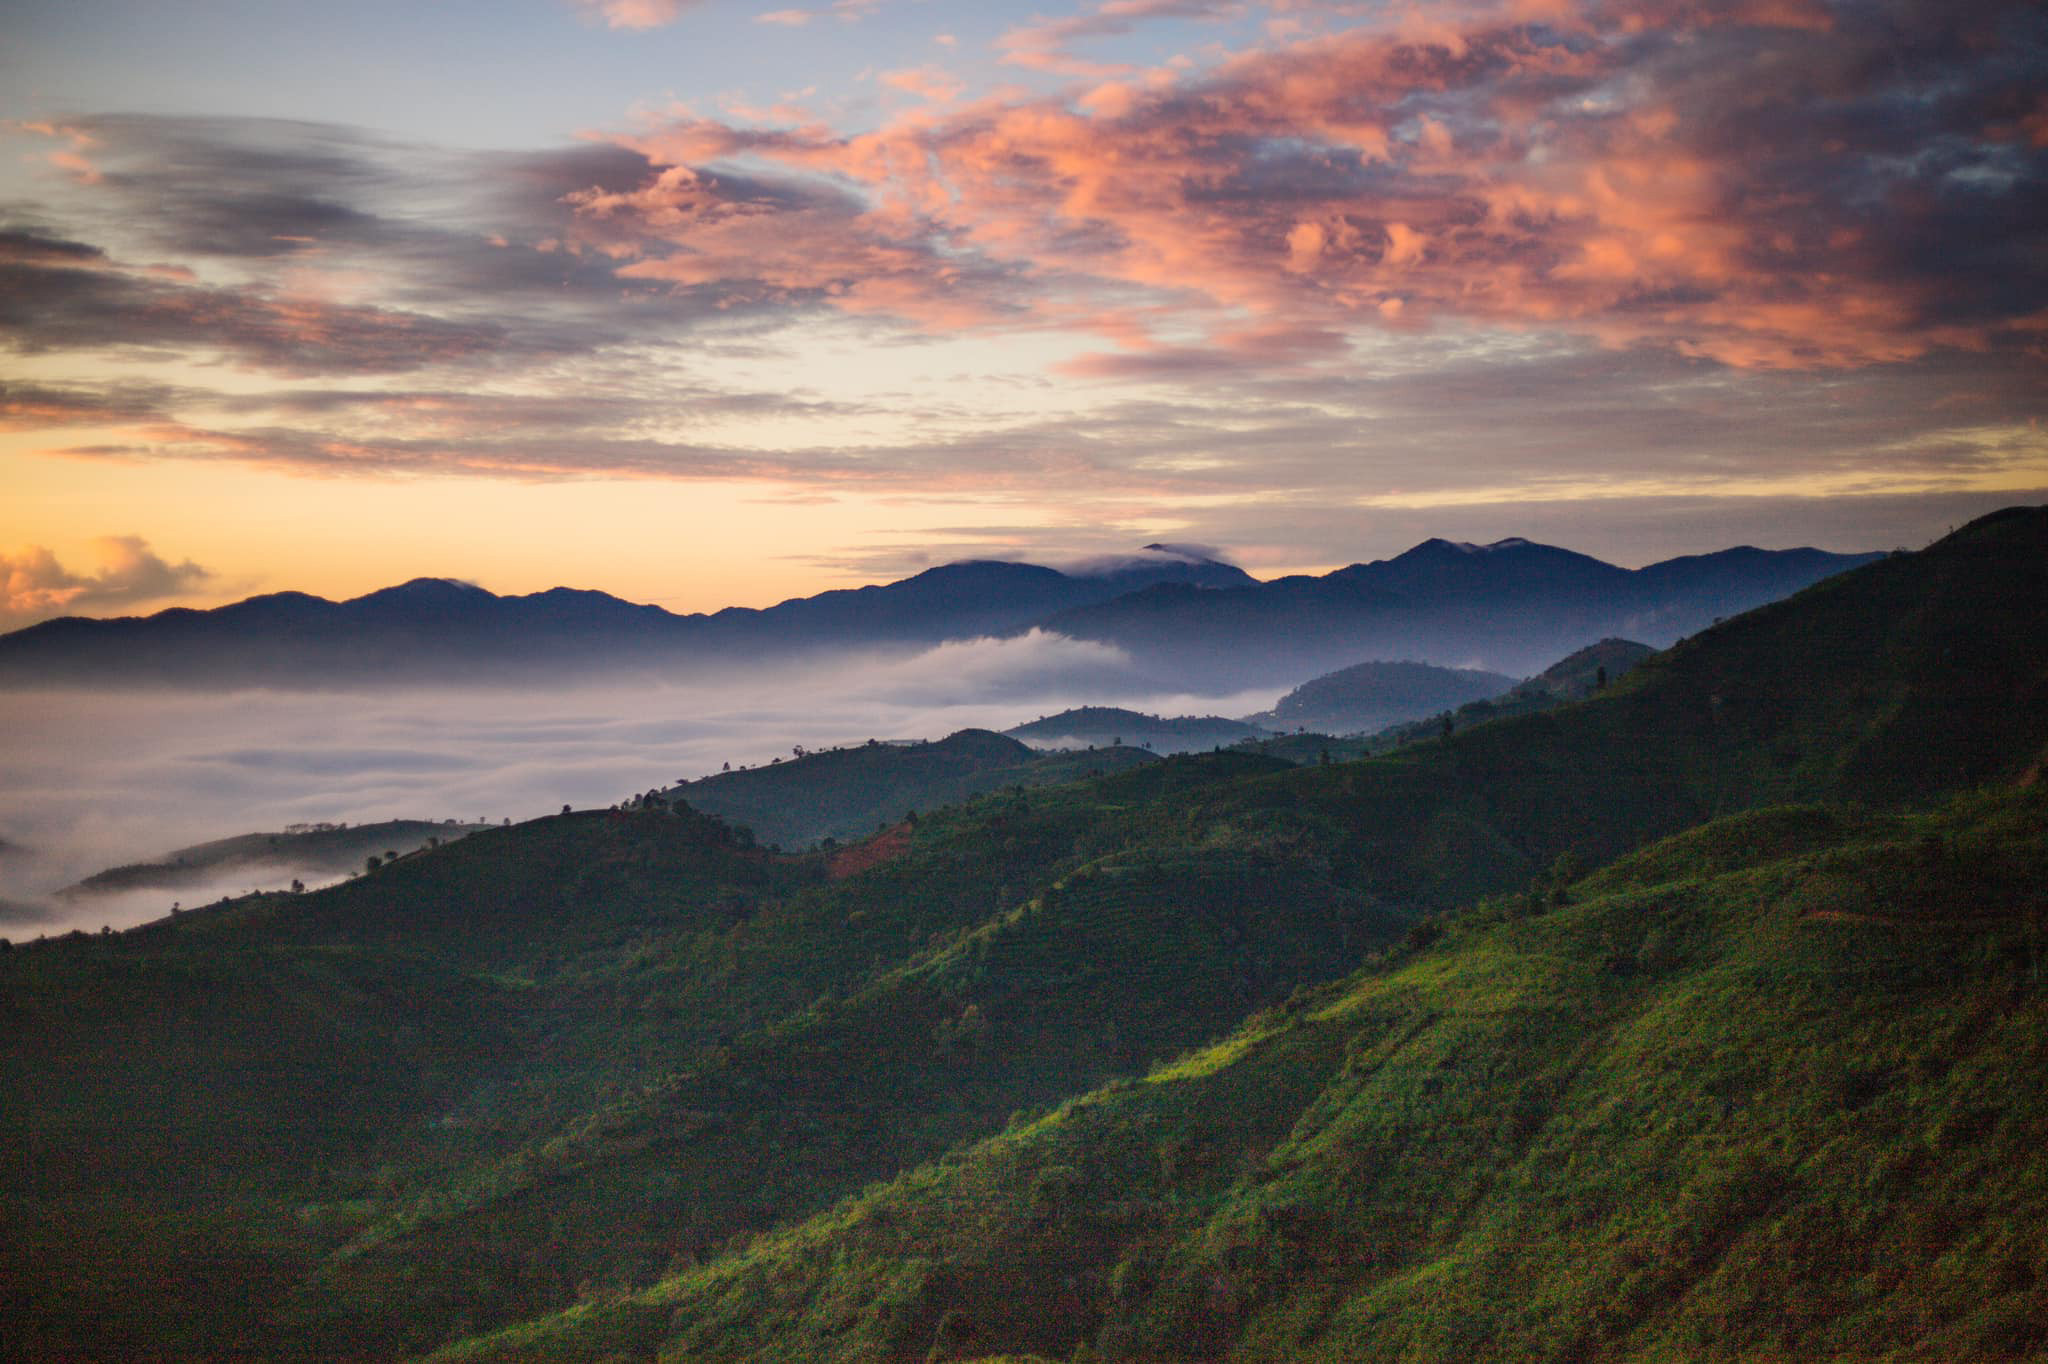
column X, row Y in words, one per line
column 718, row 303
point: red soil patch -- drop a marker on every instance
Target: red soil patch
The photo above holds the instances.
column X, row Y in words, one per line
column 885, row 846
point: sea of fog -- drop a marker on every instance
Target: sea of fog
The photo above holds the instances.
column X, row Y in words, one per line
column 90, row 780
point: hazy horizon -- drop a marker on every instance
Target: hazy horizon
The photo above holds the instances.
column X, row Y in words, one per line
column 92, row 779
column 126, row 549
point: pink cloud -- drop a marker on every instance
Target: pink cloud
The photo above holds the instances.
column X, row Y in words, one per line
column 1045, row 44
column 72, row 158
column 635, row 14
column 926, row 82
column 1609, row 171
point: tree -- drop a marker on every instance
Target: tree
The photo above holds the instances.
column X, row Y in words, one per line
column 372, row 862
column 565, row 809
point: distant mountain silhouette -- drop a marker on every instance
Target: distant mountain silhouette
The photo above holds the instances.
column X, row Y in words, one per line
column 842, row 793
column 1111, row 726
column 1371, row 696
column 322, row 850
column 442, row 630
column 1510, row 606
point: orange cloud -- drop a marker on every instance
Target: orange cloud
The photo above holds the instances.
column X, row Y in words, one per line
column 34, row 585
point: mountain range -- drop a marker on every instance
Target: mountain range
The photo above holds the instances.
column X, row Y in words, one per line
column 1511, row 607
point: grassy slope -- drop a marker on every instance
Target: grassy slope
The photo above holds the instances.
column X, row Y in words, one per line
column 1769, row 1091
column 987, row 987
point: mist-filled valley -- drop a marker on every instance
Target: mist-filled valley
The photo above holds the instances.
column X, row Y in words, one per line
column 435, row 700
column 91, row 780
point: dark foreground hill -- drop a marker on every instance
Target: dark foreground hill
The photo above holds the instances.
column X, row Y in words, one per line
column 1766, row 1082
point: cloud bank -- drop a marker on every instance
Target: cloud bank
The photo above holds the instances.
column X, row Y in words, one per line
column 90, row 781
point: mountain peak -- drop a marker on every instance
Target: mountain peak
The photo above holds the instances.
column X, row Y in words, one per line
column 1193, row 554
column 1437, row 545
column 1200, row 565
column 428, row 590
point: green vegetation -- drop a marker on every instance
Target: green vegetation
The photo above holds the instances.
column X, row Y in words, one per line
column 1785, row 1108
column 1702, row 1017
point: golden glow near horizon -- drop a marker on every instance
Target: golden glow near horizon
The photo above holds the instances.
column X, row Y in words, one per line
column 685, row 546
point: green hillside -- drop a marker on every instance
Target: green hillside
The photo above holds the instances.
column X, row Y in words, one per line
column 1671, row 1018
column 1785, row 1106
column 844, row 793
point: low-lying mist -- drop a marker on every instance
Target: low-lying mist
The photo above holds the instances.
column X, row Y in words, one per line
column 91, row 780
